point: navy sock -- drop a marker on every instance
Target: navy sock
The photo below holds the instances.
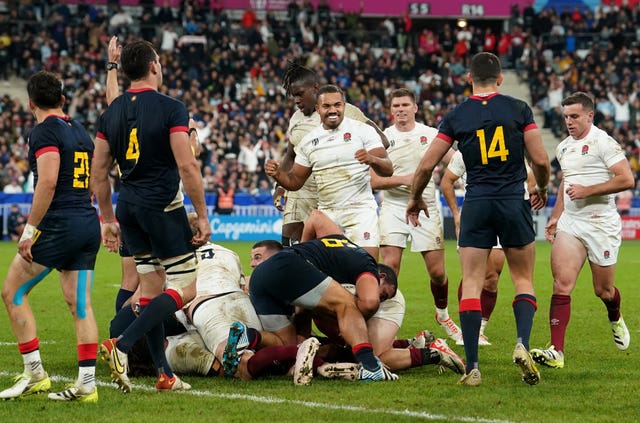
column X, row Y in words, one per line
column 364, row 355
column 524, row 307
column 122, row 297
column 155, row 343
column 121, row 321
column 470, row 325
column 160, row 308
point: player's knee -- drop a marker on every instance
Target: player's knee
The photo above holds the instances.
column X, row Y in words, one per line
column 181, row 273
column 147, row 264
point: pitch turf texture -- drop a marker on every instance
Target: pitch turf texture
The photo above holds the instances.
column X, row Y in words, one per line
column 598, row 384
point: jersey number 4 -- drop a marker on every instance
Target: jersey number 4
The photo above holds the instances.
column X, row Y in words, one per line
column 497, row 147
column 133, row 149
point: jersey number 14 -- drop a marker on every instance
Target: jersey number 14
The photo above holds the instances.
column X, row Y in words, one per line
column 497, row 147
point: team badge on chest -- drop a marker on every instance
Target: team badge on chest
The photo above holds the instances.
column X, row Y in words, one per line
column 585, row 150
column 346, row 137
column 423, row 140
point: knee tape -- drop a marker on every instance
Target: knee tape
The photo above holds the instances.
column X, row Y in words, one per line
column 147, row 264
column 180, row 271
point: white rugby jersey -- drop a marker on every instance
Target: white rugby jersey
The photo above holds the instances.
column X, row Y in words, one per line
column 587, row 162
column 405, row 151
column 340, row 178
column 300, row 125
column 218, row 270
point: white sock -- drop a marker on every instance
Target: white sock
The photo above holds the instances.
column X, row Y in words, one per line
column 32, row 363
column 87, row 376
column 483, row 324
column 442, row 313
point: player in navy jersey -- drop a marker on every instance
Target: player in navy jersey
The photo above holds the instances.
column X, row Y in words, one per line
column 146, row 133
column 493, row 132
column 309, row 275
column 62, row 232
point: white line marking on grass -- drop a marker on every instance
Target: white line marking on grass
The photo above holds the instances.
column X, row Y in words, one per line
column 274, row 400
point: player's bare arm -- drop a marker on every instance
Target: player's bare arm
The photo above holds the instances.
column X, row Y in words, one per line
column 285, row 164
column 47, row 165
column 318, row 225
column 383, row 137
column 539, row 165
column 189, row 170
column 622, row 179
column 430, row 160
column 377, row 159
column 367, row 294
column 291, row 180
column 447, row 188
column 101, row 188
column 386, row 182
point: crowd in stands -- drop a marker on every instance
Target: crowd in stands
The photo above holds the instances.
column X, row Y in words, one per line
column 228, row 71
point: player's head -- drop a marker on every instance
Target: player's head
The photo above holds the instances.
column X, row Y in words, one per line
column 45, row 91
column 140, row 60
column 403, row 106
column 578, row 111
column 330, row 106
column 388, row 282
column 262, row 250
column 485, row 69
column 301, row 83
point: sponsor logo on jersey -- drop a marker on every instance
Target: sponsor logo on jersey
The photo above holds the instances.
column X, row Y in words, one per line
column 423, row 140
column 392, row 143
column 347, row 137
column 585, row 150
column 315, row 142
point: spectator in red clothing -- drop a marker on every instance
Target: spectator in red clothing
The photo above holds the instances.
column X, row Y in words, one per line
column 489, row 41
column 249, row 19
column 504, row 46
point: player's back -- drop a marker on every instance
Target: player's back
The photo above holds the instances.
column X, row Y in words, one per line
column 490, row 134
column 75, row 147
column 338, row 257
column 219, row 270
column 137, row 126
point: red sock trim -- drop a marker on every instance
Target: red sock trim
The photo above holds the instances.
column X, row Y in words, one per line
column 358, row 347
column 176, row 297
column 470, row 304
column 143, row 301
column 87, row 352
column 29, row 346
column 533, row 303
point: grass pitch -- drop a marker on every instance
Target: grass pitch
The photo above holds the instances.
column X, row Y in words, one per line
column 598, row 384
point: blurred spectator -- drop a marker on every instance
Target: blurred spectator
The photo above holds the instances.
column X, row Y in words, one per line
column 623, row 202
column 15, row 223
column 13, row 187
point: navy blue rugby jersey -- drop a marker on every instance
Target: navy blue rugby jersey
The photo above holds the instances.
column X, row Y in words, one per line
column 71, row 141
column 338, row 257
column 490, row 134
column 137, row 126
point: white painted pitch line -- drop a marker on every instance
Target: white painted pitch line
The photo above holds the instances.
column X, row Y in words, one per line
column 15, row 344
column 309, row 404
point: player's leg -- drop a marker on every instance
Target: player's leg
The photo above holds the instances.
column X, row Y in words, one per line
column 489, row 294
column 21, row 278
column 568, row 255
column 76, row 288
column 474, row 262
column 605, row 289
column 391, row 255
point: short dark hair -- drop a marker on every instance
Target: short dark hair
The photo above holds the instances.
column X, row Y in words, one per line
column 403, row 92
column 580, row 97
column 485, row 68
column 135, row 59
column 330, row 88
column 298, row 73
column 269, row 244
column 45, row 90
column 390, row 277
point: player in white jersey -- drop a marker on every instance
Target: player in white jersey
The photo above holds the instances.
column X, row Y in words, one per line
column 302, row 84
column 584, row 224
column 455, row 171
column 339, row 154
column 408, row 141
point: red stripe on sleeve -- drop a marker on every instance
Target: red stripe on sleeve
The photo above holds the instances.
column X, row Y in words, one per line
column 46, row 150
column 179, row 129
column 445, row 137
column 530, row 127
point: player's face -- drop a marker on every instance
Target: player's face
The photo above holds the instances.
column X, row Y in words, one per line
column 386, row 291
column 577, row 119
column 159, row 70
column 258, row 255
column 403, row 110
column 304, row 95
column 330, row 107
